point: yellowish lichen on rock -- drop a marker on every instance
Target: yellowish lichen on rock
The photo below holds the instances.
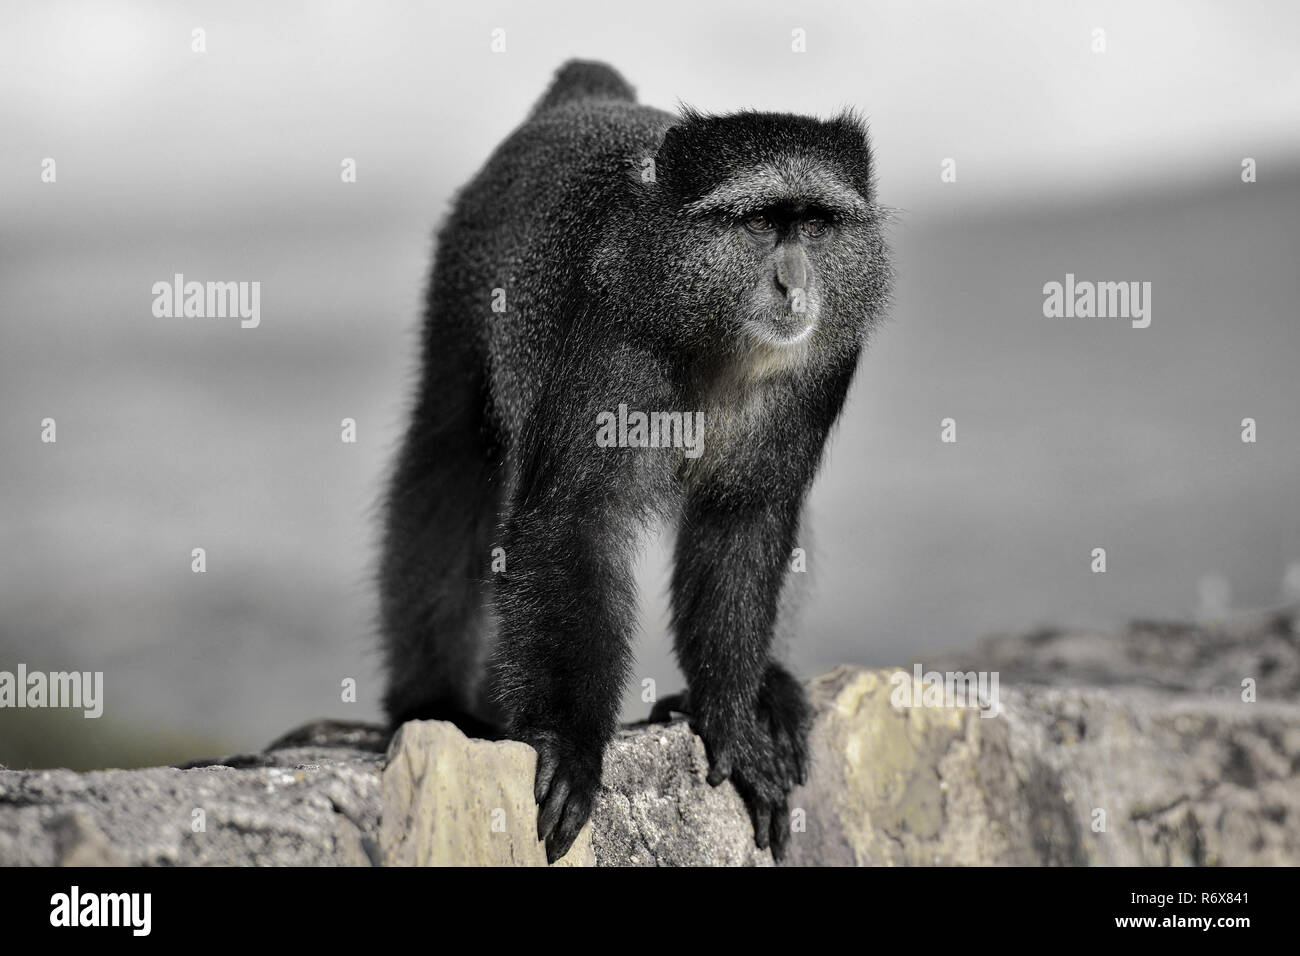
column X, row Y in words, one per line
column 452, row 801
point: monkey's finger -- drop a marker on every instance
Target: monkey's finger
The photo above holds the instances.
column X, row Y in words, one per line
column 795, row 768
column 780, row 831
column 762, row 823
column 802, row 758
column 787, row 768
column 548, row 814
column 547, row 764
column 720, row 769
column 805, row 765
column 561, row 839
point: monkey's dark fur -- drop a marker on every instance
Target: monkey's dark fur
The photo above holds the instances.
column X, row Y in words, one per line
column 739, row 280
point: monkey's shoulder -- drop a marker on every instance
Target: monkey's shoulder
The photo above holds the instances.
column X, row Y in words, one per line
column 586, row 147
column 534, row 215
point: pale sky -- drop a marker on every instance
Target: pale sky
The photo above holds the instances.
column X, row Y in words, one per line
column 1011, row 90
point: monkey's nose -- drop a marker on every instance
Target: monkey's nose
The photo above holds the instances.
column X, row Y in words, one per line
column 791, row 270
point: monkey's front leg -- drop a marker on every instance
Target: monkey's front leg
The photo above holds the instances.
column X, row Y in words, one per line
column 565, row 602
column 752, row 714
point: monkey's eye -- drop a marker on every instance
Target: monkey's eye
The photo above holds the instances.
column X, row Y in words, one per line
column 759, row 224
column 814, row 227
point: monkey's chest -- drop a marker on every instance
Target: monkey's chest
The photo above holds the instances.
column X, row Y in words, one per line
column 734, row 430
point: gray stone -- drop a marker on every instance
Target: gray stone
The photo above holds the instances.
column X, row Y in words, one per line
column 1131, row 766
column 452, row 801
column 297, row 807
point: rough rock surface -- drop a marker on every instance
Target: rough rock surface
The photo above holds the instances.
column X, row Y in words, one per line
column 449, row 800
column 1100, row 755
column 1211, row 657
column 1063, row 776
column 291, row 807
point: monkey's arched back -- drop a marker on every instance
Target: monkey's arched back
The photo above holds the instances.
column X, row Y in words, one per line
column 521, row 235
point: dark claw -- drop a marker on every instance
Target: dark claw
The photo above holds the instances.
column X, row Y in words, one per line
column 553, row 851
column 553, row 809
column 561, row 839
column 565, row 789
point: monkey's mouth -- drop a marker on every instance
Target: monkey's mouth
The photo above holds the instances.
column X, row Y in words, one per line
column 782, row 320
column 781, row 329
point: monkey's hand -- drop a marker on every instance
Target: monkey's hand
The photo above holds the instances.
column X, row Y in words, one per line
column 766, row 757
column 568, row 777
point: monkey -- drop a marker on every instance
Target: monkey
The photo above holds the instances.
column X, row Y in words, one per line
column 612, row 258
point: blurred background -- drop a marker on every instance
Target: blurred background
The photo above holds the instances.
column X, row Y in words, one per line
column 1122, row 165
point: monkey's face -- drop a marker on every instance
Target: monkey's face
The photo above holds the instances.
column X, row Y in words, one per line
column 793, row 268
column 782, row 243
column 777, row 238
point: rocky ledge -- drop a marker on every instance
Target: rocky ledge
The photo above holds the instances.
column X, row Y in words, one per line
column 1165, row 744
